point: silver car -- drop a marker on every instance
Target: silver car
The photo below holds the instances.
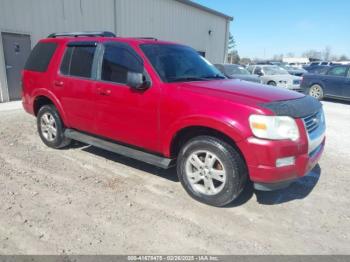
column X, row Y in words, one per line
column 276, row 76
column 237, row 71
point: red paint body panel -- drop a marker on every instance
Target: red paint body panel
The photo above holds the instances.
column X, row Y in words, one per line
column 150, row 119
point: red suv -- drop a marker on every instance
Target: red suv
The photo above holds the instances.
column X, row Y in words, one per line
column 164, row 104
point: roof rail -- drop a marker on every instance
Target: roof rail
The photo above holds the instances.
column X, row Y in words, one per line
column 87, row 33
column 148, row 38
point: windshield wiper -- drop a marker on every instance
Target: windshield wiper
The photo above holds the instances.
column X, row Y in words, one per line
column 214, row 77
column 184, row 79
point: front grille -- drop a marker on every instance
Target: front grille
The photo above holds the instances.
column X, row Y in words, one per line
column 312, row 122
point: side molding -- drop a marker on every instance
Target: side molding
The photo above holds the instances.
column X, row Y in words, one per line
column 120, row 149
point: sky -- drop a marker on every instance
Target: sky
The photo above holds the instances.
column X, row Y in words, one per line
column 264, row 28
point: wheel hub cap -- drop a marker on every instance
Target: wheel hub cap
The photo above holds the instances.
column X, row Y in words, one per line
column 205, row 172
column 48, row 127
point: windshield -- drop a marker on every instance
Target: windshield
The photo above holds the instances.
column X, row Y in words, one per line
column 275, row 70
column 177, row 63
column 236, row 70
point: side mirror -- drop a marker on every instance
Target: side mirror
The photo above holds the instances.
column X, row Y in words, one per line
column 136, row 81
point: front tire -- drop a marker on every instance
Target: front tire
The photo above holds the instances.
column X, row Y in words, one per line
column 51, row 128
column 316, row 91
column 211, row 170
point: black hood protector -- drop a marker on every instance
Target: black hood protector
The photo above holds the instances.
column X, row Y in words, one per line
column 296, row 108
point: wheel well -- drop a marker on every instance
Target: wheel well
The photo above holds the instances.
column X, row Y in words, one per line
column 271, row 81
column 188, row 133
column 39, row 102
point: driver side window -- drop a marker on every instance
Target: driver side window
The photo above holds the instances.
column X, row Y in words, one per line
column 258, row 71
column 118, row 60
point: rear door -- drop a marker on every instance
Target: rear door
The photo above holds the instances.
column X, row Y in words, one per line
column 75, row 85
column 334, row 80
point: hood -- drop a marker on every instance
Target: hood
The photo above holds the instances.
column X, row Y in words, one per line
column 251, row 78
column 282, row 77
column 297, row 70
column 240, row 91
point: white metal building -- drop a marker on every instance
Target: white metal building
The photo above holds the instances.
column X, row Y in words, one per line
column 24, row 22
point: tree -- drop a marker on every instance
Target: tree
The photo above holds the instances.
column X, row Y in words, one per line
column 233, row 57
column 231, row 49
column 313, row 54
column 245, row 61
column 327, row 53
column 343, row 58
column 278, row 57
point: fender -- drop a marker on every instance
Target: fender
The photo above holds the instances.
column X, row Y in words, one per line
column 50, row 95
column 229, row 127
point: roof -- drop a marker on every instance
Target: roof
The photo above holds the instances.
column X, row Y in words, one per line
column 206, row 9
column 67, row 39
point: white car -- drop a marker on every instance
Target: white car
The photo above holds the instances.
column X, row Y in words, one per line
column 276, row 76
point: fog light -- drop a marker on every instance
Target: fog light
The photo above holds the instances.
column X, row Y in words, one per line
column 287, row 161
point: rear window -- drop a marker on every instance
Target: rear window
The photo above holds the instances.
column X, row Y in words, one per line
column 78, row 61
column 40, row 57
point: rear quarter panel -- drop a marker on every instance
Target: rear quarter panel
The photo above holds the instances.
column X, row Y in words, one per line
column 37, row 84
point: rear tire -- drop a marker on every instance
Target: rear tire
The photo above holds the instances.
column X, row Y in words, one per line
column 272, row 83
column 316, row 91
column 211, row 171
column 51, row 128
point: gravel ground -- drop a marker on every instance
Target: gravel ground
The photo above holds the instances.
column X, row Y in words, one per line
column 84, row 200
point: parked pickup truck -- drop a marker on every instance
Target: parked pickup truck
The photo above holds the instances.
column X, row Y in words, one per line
column 164, row 104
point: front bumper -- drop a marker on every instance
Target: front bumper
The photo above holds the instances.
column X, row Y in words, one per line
column 261, row 156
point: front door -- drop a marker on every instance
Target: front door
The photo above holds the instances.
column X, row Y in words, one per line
column 16, row 51
column 125, row 114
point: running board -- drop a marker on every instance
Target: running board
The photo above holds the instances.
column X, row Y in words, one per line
column 119, row 149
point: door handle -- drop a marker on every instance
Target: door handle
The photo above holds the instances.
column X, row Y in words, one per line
column 9, row 67
column 59, row 83
column 104, row 92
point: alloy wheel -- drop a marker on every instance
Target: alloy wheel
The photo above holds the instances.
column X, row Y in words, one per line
column 205, row 173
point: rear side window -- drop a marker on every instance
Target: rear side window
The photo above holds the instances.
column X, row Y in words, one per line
column 338, row 71
column 40, row 57
column 78, row 61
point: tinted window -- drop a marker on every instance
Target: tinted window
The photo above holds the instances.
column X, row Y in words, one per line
column 118, row 59
column 258, row 70
column 176, row 63
column 40, row 57
column 338, row 71
column 78, row 61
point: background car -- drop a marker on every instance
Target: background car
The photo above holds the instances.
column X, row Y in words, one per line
column 237, row 71
column 276, row 76
column 335, row 83
column 293, row 70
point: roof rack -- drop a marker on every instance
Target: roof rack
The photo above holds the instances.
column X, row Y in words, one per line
column 147, row 38
column 77, row 34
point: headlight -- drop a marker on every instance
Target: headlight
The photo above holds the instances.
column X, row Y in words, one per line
column 274, row 127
